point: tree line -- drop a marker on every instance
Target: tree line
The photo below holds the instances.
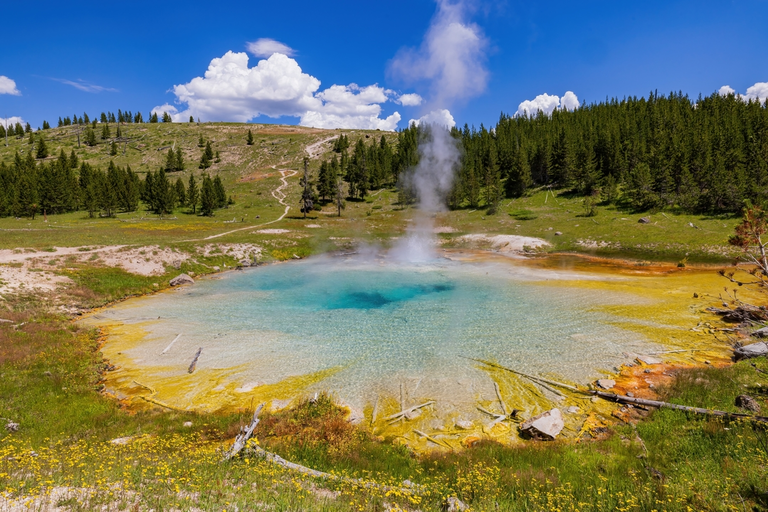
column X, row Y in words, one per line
column 28, row 188
column 661, row 152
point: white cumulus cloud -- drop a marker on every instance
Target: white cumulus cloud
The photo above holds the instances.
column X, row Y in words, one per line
column 10, row 122
column 410, row 100
column 547, row 103
column 276, row 86
column 8, row 86
column 451, row 56
column 265, row 47
column 440, row 117
column 166, row 108
column 759, row 92
column 726, row 90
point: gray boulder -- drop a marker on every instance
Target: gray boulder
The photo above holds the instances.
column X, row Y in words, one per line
column 546, row 426
column 748, row 403
column 245, row 263
column 181, row 279
column 453, row 504
column 644, row 220
column 761, row 333
column 748, row 352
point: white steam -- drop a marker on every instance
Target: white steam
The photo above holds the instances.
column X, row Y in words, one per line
column 451, row 57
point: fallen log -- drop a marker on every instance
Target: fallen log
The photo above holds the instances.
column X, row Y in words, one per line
column 402, row 414
column 193, row 365
column 539, row 380
column 169, row 346
column 432, row 439
column 244, row 435
column 659, row 404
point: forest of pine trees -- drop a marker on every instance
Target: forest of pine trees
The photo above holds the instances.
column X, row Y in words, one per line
column 704, row 156
column 28, row 187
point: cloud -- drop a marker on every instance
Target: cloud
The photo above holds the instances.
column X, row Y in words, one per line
column 351, row 106
column 758, row 92
column 726, row 90
column 11, row 121
column 569, row 101
column 440, row 117
column 547, row 104
column 451, row 57
column 8, row 86
column 276, row 86
column 410, row 100
column 162, row 109
column 265, row 47
column 85, row 86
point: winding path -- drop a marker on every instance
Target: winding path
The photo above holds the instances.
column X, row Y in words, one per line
column 277, row 194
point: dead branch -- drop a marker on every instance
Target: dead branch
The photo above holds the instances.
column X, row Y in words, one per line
column 244, row 435
column 193, row 365
column 402, row 414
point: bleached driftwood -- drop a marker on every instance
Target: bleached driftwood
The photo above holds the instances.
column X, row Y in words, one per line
column 432, row 439
column 403, row 413
column 659, row 404
column 169, row 346
column 193, row 365
column 244, row 435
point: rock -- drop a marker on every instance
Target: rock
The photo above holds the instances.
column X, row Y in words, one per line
column 649, row 360
column 644, row 220
column 155, row 285
column 245, row 263
column 465, row 424
column 545, row 426
column 216, row 268
column 761, row 333
column 12, row 427
column 187, row 424
column 630, row 394
column 454, row 504
column 558, row 233
column 754, row 350
column 573, row 410
column 122, row 441
column 606, row 383
column 748, row 403
column 181, row 279
column 191, row 274
column 177, row 264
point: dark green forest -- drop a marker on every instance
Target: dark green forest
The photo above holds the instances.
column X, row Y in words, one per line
column 29, row 187
column 708, row 155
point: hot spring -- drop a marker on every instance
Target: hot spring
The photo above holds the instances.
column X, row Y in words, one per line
column 379, row 336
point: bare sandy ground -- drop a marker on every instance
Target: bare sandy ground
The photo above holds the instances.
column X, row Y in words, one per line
column 505, row 243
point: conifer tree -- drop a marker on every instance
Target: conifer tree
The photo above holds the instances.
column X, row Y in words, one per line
column 193, row 194
column 179, row 159
column 90, row 137
column 207, row 197
column 46, row 126
column 28, row 128
column 191, row 119
column 249, row 138
column 307, row 196
column 105, row 132
column 181, row 193
column 167, row 117
column 220, row 194
column 170, row 161
column 201, row 142
column 113, row 149
column 42, row 148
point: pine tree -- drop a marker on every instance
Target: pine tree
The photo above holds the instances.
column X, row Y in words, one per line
column 105, row 132
column 170, row 161
column 153, row 117
column 46, row 126
column 179, row 159
column 193, row 194
column 249, row 138
column 307, row 195
column 90, row 137
column 191, row 119
column 181, row 193
column 519, row 177
column 220, row 194
column 42, row 148
column 167, row 117
column 201, row 142
column 28, row 128
column 207, row 197
column 113, row 149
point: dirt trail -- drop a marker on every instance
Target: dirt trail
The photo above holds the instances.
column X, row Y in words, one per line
column 314, row 150
column 277, row 194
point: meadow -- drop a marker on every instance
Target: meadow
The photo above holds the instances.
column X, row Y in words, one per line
column 79, row 449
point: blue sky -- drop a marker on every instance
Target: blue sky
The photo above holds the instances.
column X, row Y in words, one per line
column 130, row 56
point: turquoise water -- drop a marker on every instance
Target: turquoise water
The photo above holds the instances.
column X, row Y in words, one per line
column 381, row 324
